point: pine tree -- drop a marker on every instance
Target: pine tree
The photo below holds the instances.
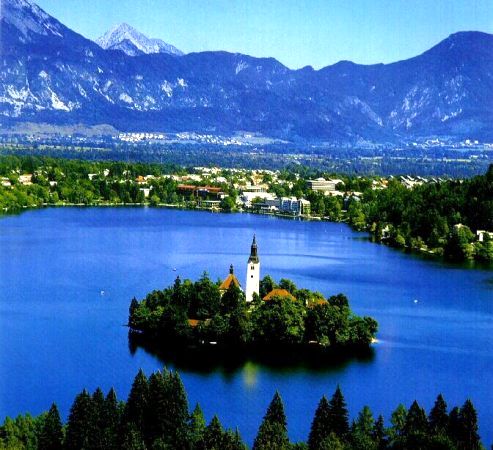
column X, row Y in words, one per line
column 438, row 418
column 339, row 415
column 51, row 435
column 134, row 306
column 273, row 434
column 177, row 407
column 332, row 442
column 468, row 420
column 362, row 431
column 379, row 433
column 80, row 428
column 365, row 422
column 454, row 424
column 213, row 436
column 137, row 403
column 416, row 421
column 232, row 441
column 111, row 420
column 320, row 428
column 131, row 438
column 197, row 426
column 168, row 409
column 98, row 419
column 156, row 410
column 398, row 421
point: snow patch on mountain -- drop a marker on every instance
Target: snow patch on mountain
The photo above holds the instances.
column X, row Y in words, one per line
column 126, row 98
column 241, row 66
column 127, row 39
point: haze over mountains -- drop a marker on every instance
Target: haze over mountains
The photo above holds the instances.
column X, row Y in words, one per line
column 51, row 74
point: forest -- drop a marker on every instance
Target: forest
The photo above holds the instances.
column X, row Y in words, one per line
column 156, row 415
column 199, row 312
column 438, row 217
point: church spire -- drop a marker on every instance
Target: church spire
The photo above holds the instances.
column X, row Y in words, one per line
column 254, row 252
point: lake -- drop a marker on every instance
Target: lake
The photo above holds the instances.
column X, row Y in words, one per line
column 67, row 276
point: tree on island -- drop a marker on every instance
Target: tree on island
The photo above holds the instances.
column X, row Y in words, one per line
column 201, row 312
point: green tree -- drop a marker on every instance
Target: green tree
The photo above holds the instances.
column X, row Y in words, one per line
column 398, row 421
column 111, row 418
column 267, row 284
column 321, row 425
column 468, row 427
column 80, row 427
column 279, row 321
column 416, row 427
column 137, row 403
column 362, row 431
column 214, row 435
column 197, row 427
column 339, row 415
column 438, row 418
column 273, row 434
column 51, row 435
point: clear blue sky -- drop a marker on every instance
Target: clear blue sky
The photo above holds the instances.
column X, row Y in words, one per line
column 296, row 32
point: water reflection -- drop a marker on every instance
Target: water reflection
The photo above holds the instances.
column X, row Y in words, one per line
column 211, row 359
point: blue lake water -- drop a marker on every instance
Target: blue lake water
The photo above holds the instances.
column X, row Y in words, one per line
column 59, row 334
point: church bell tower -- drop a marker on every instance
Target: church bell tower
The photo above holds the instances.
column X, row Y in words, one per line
column 253, row 273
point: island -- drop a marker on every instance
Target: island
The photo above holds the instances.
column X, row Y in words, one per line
column 265, row 315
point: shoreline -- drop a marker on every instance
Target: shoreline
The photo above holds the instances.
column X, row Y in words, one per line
column 423, row 253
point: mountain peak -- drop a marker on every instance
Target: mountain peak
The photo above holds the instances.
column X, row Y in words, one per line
column 28, row 18
column 126, row 38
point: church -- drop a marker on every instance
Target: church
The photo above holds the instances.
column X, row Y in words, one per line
column 252, row 283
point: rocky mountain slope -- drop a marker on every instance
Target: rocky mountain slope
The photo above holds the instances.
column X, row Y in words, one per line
column 52, row 74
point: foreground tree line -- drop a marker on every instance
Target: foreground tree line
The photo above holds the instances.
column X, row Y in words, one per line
column 156, row 415
column 198, row 312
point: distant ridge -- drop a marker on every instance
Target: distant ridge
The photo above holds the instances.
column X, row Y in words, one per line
column 54, row 75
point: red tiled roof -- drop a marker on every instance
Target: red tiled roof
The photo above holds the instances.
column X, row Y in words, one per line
column 191, row 187
column 193, row 322
column 317, row 302
column 227, row 282
column 279, row 293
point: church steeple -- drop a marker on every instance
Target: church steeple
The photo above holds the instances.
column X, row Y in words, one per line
column 252, row 285
column 254, row 252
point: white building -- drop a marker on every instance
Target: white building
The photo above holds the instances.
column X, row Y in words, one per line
column 292, row 205
column 321, row 184
column 482, row 233
column 246, row 198
column 252, row 284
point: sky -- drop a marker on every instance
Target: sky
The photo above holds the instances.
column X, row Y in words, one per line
column 296, row 32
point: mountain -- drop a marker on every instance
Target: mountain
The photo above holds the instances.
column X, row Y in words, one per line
column 132, row 42
column 54, row 75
